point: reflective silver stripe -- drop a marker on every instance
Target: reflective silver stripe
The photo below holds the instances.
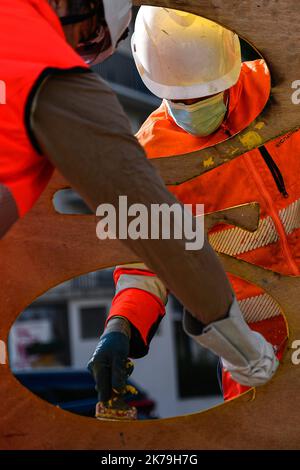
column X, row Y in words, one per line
column 151, row 284
column 259, row 307
column 234, row 241
column 290, row 217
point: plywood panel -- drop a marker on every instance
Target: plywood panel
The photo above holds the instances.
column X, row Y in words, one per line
column 45, row 249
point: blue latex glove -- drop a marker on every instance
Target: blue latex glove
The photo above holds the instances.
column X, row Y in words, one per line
column 109, row 364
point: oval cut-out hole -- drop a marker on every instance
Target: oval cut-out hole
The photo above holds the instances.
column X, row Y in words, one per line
column 53, row 339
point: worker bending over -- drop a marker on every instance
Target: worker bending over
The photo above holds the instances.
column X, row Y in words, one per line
column 208, row 95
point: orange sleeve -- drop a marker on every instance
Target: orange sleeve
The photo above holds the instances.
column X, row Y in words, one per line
column 143, row 309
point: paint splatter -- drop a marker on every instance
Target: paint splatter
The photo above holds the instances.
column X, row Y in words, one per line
column 259, row 125
column 251, row 140
column 233, row 150
column 208, row 162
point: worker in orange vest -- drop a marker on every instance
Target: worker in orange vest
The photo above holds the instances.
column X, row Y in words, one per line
column 208, row 95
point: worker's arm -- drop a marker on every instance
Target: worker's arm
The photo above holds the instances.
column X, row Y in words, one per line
column 82, row 129
column 140, row 298
column 137, row 309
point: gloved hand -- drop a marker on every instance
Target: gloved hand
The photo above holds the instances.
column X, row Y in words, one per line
column 245, row 354
column 109, row 364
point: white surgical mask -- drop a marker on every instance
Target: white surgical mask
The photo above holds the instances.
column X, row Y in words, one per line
column 201, row 118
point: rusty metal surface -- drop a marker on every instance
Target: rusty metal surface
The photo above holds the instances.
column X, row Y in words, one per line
column 46, row 248
column 273, row 27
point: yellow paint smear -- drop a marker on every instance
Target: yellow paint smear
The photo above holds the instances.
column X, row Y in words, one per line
column 233, row 150
column 251, row 139
column 259, row 125
column 208, row 162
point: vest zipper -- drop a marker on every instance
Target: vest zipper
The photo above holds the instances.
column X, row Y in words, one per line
column 275, row 217
column 275, row 171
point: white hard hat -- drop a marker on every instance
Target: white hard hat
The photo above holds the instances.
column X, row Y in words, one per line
column 112, row 18
column 182, row 56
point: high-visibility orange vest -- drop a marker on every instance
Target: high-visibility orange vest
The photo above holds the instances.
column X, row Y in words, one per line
column 32, row 45
column 269, row 176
